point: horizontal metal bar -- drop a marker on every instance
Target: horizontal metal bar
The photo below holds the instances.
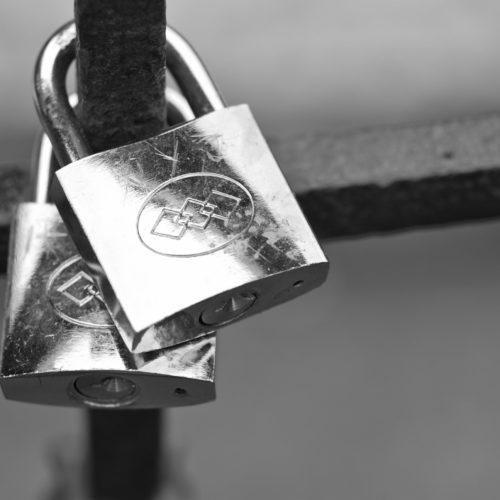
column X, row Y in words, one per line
column 392, row 179
column 373, row 181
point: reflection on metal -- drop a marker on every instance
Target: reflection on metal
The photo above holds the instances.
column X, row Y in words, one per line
column 80, row 359
column 59, row 344
column 207, row 211
column 73, row 295
column 169, row 233
column 103, row 390
column 228, row 309
column 173, row 226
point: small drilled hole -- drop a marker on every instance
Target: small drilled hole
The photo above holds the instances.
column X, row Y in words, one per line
column 180, row 392
column 298, row 284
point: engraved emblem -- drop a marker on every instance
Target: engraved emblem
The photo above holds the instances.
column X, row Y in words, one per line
column 74, row 296
column 195, row 214
column 74, row 284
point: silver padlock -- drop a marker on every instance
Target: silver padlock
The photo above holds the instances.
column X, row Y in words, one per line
column 187, row 231
column 59, row 343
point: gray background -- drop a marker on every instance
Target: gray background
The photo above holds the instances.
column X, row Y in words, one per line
column 383, row 384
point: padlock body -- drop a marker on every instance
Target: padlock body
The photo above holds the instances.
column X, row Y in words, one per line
column 59, row 343
column 190, row 230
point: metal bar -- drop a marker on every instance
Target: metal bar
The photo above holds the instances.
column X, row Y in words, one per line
column 121, row 53
column 396, row 178
column 375, row 181
column 125, row 446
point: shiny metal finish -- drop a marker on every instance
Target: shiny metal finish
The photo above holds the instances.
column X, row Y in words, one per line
column 57, row 115
column 41, row 169
column 228, row 309
column 191, row 75
column 59, row 344
column 65, row 132
column 105, row 390
column 175, row 228
column 54, row 358
column 186, row 221
column 179, row 111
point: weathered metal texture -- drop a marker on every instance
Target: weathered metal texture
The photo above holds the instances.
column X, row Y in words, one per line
column 121, row 56
column 249, row 234
column 395, row 178
column 370, row 182
column 137, row 475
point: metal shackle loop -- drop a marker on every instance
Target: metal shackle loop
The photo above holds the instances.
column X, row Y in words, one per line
column 42, row 166
column 56, row 114
column 41, row 169
column 191, row 75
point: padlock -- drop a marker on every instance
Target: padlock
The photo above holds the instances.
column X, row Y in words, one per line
column 187, row 231
column 59, row 343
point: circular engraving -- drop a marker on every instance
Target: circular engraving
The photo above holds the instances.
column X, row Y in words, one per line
column 74, row 296
column 195, row 214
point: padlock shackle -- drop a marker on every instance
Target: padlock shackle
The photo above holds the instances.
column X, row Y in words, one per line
column 191, row 75
column 51, row 98
column 42, row 166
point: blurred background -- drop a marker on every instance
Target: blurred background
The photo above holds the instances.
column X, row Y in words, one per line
column 381, row 385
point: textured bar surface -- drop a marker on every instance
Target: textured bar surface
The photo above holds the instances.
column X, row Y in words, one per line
column 391, row 179
column 121, row 55
column 112, row 434
column 373, row 181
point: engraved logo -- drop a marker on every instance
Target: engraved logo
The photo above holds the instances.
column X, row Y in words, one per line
column 74, row 296
column 195, row 214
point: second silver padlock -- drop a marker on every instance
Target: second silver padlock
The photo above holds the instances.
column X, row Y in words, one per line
column 59, row 345
column 187, row 231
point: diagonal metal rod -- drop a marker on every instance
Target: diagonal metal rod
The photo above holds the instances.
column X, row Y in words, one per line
column 121, row 51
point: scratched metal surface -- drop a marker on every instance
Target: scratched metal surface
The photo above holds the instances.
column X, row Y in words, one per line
column 377, row 180
column 265, row 248
column 57, row 330
column 396, row 395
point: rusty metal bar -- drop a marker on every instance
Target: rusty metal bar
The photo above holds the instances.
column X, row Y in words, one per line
column 121, row 58
column 374, row 181
column 396, row 178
